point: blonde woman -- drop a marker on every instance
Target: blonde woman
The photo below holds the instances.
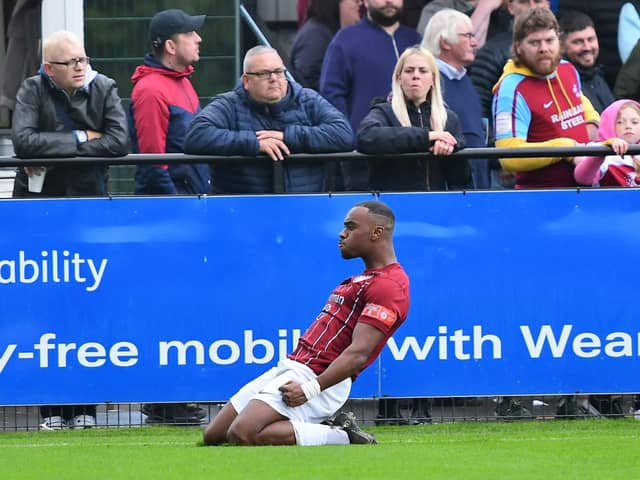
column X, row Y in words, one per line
column 415, row 120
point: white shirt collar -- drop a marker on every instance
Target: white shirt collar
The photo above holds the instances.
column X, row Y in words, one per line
column 450, row 72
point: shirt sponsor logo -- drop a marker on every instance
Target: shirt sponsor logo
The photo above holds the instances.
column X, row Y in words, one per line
column 571, row 117
column 381, row 313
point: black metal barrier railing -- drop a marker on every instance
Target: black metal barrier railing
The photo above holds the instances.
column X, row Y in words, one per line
column 278, row 178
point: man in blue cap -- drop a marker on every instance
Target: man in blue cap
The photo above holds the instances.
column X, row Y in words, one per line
column 163, row 102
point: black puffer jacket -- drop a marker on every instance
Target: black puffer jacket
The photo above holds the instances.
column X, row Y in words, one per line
column 381, row 133
column 227, row 126
column 43, row 126
column 595, row 87
column 485, row 71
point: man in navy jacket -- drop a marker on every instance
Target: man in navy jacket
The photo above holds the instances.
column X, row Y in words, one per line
column 268, row 115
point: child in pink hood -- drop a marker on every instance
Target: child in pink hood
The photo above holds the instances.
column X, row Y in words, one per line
column 619, row 127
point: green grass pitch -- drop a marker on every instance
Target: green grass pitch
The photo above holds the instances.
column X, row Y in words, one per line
column 540, row 450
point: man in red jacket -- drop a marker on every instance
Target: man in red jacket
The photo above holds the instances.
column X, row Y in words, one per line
column 164, row 102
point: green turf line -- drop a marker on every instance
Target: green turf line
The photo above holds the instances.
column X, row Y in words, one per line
column 540, row 450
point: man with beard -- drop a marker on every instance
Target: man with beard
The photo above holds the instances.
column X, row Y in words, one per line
column 490, row 59
column 485, row 72
column 538, row 102
column 358, row 66
column 580, row 46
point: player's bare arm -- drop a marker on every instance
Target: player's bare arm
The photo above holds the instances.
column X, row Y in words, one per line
column 364, row 340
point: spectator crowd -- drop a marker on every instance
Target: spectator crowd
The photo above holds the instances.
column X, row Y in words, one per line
column 339, row 89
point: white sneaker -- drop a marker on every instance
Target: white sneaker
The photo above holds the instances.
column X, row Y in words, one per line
column 83, row 421
column 53, row 423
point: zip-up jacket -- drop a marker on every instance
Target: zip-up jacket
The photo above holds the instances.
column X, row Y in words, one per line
column 382, row 133
column 595, row 87
column 228, row 126
column 163, row 103
column 45, row 123
column 359, row 64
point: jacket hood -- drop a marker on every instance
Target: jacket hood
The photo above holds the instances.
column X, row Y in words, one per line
column 607, row 128
column 89, row 76
column 511, row 68
column 151, row 65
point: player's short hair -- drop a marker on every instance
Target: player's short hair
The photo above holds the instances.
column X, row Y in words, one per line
column 380, row 209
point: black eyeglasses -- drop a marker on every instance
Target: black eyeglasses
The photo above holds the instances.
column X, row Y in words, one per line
column 264, row 74
column 73, row 62
column 469, row 35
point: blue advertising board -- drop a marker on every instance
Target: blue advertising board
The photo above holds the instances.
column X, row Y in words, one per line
column 186, row 299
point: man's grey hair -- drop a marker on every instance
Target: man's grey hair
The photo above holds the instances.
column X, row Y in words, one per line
column 257, row 50
column 444, row 24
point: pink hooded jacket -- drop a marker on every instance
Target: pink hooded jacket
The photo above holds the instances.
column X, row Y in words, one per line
column 612, row 170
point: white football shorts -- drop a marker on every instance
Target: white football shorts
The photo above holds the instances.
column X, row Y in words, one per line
column 265, row 388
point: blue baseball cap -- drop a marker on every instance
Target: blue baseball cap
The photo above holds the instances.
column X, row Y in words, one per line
column 167, row 23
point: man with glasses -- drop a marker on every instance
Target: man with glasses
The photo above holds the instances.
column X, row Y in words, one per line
column 267, row 114
column 67, row 110
column 163, row 103
column 487, row 16
column 449, row 36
